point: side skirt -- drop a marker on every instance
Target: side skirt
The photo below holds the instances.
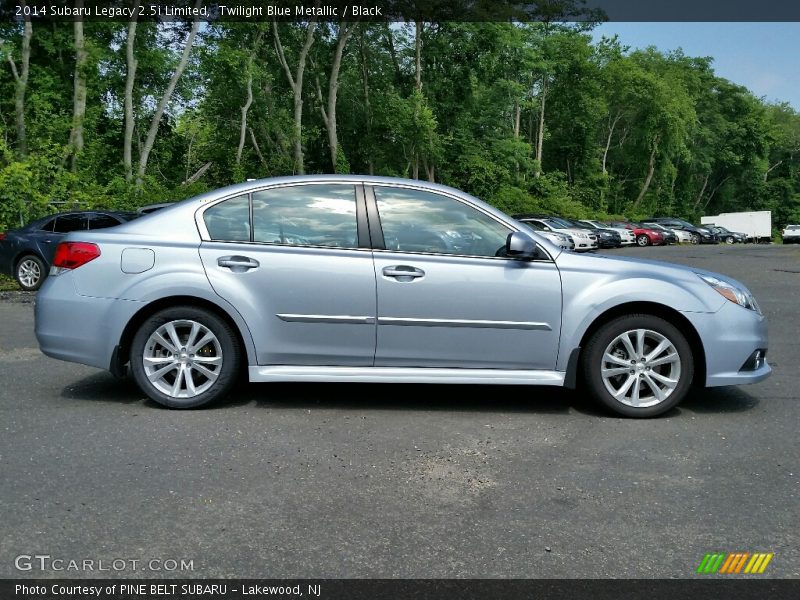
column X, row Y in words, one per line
column 405, row 375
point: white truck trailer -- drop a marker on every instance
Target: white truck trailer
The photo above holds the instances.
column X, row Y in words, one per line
column 757, row 224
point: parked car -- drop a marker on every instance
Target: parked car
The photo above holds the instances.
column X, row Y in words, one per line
column 606, row 238
column 381, row 291
column 791, row 234
column 627, row 236
column 561, row 240
column 644, row 235
column 729, row 237
column 583, row 240
column 27, row 253
column 699, row 235
column 668, row 234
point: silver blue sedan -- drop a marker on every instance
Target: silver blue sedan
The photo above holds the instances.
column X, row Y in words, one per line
column 368, row 279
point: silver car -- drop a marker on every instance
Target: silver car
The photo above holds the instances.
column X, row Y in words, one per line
column 369, row 279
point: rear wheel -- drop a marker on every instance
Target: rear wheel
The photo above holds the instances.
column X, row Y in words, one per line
column 643, row 240
column 30, row 273
column 185, row 357
column 638, row 365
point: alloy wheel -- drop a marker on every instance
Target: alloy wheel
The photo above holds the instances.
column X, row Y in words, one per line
column 29, row 272
column 641, row 368
column 182, row 358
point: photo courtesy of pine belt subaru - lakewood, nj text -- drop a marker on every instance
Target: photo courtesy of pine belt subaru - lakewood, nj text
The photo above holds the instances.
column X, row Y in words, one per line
column 373, row 279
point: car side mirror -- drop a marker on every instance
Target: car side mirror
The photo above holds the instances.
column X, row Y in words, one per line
column 520, row 245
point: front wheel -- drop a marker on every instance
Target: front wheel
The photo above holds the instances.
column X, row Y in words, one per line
column 729, row 240
column 695, row 239
column 643, row 240
column 30, row 273
column 638, row 365
column 185, row 357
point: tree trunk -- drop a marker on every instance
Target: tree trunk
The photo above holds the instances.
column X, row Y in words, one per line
column 540, row 133
column 611, row 127
column 769, row 170
column 296, row 84
column 249, row 101
column 79, row 91
column 345, row 30
column 130, row 79
column 21, row 84
column 702, row 189
column 651, row 168
column 162, row 105
column 368, row 108
column 256, row 148
column 418, row 54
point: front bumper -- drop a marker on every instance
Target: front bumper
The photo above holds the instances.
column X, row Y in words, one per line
column 730, row 336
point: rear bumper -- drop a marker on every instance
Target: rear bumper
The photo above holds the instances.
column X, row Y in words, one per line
column 75, row 328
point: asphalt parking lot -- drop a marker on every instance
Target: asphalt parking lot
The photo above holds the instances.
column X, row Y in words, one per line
column 342, row 480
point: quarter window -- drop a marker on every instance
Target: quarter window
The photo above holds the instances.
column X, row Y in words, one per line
column 229, row 221
column 420, row 221
column 306, row 215
column 102, row 221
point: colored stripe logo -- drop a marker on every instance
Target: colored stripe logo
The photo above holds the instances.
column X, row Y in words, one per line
column 732, row 563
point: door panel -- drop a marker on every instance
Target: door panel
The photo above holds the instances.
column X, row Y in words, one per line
column 288, row 259
column 467, row 312
column 304, row 306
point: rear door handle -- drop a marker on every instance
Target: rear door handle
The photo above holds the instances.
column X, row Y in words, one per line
column 237, row 264
column 403, row 272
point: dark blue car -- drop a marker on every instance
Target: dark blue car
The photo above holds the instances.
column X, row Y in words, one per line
column 26, row 253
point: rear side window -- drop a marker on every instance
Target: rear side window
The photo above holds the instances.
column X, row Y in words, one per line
column 69, row 223
column 306, row 215
column 102, row 221
column 229, row 221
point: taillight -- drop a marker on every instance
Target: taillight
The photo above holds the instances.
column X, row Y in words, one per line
column 2, row 235
column 71, row 255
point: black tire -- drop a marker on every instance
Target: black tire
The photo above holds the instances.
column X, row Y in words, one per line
column 643, row 240
column 695, row 238
column 592, row 364
column 229, row 351
column 30, row 272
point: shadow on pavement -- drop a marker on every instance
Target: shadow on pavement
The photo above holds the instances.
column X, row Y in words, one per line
column 102, row 387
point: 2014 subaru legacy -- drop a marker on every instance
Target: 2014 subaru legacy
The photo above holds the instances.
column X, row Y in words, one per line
column 369, row 279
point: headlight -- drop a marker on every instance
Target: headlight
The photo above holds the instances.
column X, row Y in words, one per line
column 732, row 292
column 582, row 236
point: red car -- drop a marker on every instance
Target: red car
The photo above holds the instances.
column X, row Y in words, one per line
column 644, row 236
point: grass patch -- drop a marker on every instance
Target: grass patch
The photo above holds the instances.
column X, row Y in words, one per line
column 7, row 284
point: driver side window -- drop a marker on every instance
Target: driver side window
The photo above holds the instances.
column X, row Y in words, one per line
column 421, row 221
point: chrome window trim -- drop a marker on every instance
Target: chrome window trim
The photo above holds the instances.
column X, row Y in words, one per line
column 466, row 202
column 205, row 237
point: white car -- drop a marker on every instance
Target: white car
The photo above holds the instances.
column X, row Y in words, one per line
column 627, row 235
column 584, row 240
column 561, row 240
column 791, row 235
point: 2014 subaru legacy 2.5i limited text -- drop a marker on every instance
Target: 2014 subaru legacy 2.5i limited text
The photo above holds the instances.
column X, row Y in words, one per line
column 369, row 279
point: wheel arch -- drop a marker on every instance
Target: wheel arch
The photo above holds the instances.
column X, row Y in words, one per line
column 121, row 353
column 651, row 308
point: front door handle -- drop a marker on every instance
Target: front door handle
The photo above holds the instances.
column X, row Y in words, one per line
column 403, row 272
column 237, row 264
